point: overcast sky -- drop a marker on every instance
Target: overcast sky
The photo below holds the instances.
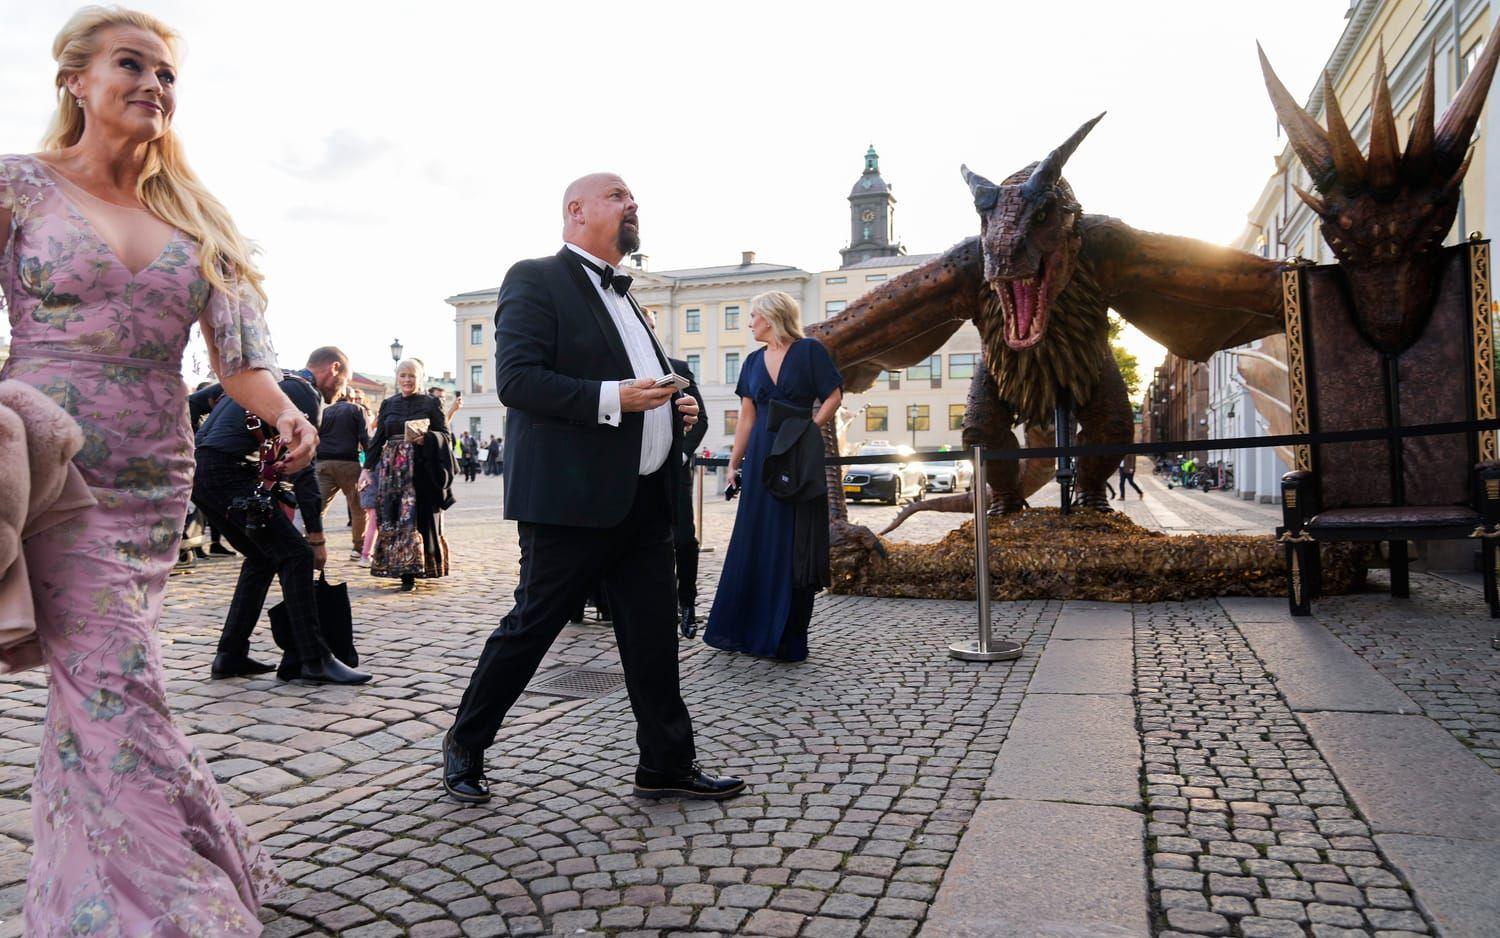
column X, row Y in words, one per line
column 385, row 155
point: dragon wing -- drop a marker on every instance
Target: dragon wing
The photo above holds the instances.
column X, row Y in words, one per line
column 1192, row 297
column 906, row 320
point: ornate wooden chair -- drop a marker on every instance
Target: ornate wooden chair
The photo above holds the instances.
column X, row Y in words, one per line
column 1392, row 490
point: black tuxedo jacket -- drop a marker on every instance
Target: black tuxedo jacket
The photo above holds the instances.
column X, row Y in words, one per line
column 554, row 344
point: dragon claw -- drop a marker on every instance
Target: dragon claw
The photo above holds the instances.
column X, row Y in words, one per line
column 843, row 536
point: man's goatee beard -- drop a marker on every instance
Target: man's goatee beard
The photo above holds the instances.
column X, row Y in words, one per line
column 627, row 241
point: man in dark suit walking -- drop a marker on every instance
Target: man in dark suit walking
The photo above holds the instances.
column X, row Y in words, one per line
column 591, row 479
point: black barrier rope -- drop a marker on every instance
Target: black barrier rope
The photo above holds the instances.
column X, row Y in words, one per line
column 1121, row 449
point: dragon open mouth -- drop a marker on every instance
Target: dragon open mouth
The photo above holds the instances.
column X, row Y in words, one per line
column 1025, row 300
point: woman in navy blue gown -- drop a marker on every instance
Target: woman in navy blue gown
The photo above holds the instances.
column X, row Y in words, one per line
column 757, row 609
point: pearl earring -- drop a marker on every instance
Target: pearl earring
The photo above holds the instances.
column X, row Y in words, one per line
column 80, row 102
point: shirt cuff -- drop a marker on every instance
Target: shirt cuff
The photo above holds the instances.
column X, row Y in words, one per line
column 609, row 403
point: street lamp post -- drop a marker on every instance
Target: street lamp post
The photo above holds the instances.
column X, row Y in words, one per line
column 911, row 423
column 396, row 349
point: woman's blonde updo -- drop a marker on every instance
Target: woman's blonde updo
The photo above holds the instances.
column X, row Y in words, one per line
column 167, row 187
column 781, row 313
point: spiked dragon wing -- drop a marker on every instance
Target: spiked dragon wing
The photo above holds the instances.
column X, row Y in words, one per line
column 905, row 321
column 1192, row 297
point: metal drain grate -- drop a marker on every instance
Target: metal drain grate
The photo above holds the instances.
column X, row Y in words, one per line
column 578, row 682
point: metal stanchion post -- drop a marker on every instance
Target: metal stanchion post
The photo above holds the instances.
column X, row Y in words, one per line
column 983, row 649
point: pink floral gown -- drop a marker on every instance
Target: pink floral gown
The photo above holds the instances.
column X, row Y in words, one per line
column 132, row 835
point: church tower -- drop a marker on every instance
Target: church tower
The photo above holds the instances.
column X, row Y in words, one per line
column 872, row 216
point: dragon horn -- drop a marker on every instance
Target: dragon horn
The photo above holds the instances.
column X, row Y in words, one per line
column 1313, row 202
column 1049, row 170
column 1385, row 150
column 1348, row 162
column 974, row 179
column 1456, row 128
column 1306, row 137
column 1418, row 159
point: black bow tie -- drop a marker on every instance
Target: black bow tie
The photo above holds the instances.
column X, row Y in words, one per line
column 620, row 283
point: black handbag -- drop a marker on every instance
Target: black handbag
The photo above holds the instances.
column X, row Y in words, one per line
column 335, row 623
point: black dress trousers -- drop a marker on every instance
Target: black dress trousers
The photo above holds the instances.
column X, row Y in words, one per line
column 559, row 566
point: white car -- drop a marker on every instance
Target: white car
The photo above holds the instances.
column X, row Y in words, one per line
column 956, row 475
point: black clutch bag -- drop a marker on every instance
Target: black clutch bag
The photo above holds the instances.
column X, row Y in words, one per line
column 335, row 623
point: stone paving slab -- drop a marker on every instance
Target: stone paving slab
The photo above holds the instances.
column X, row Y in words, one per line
column 1079, row 748
column 1048, row 870
column 1084, row 667
column 1435, row 647
column 1093, row 620
column 1244, row 609
column 1408, row 776
column 1316, row 671
column 1454, row 880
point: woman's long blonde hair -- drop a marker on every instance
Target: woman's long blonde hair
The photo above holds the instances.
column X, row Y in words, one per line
column 168, row 187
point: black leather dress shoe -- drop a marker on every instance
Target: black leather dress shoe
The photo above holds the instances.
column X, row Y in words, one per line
column 691, row 782
column 230, row 666
column 330, row 671
column 219, row 550
column 463, row 773
column 689, row 622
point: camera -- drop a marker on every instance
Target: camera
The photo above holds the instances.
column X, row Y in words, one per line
column 253, row 511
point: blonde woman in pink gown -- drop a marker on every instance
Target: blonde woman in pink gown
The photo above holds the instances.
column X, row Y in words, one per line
column 110, row 250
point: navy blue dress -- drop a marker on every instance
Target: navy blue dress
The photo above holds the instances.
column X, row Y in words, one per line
column 756, row 610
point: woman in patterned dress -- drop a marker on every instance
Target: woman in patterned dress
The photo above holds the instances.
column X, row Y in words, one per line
column 110, row 250
column 416, row 479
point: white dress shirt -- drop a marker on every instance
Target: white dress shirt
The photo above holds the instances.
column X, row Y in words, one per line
column 640, row 345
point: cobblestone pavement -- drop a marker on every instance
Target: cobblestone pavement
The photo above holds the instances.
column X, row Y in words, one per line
column 866, row 762
column 1249, row 832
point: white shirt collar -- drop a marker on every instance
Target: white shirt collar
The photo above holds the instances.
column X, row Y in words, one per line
column 585, row 254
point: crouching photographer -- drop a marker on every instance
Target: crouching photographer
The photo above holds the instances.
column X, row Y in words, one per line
column 239, row 487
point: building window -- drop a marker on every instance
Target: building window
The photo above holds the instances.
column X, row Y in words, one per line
column 476, row 334
column 731, row 317
column 961, row 364
column 474, row 426
column 955, row 416
column 836, row 280
column 731, row 422
column 874, row 278
column 877, row 420
column 835, row 306
column 694, row 363
column 692, row 321
column 476, row 378
column 1471, row 58
column 731, row 367
column 892, row 379
column 918, row 417
column 929, row 370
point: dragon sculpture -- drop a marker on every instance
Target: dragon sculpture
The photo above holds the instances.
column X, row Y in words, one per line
column 1041, row 275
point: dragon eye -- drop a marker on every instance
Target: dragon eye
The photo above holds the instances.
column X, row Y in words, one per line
column 1040, row 216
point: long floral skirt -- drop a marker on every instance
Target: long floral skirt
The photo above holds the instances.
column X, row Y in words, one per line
column 410, row 542
column 132, row 835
